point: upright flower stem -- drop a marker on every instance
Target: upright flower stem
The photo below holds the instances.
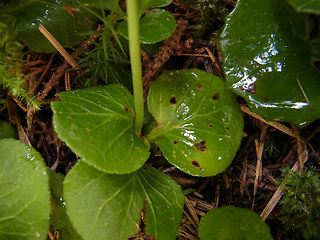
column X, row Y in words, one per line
column 135, row 59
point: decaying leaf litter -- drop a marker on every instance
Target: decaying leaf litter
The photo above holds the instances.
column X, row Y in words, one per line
column 250, row 181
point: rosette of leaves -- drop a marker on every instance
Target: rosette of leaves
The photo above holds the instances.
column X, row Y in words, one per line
column 199, row 124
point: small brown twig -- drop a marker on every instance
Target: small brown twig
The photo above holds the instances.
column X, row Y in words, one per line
column 276, row 125
column 277, row 195
column 58, row 46
column 259, row 150
column 192, row 212
column 44, row 73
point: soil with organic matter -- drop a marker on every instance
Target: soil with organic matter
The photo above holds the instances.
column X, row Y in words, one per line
column 252, row 179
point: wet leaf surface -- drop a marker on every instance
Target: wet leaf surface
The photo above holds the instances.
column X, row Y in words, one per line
column 268, row 60
column 234, row 224
column 97, row 124
column 24, row 192
column 199, row 122
column 104, row 206
column 63, row 21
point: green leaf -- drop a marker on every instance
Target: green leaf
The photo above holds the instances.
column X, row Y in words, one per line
column 64, row 26
column 233, row 224
column 146, row 4
column 199, row 122
column 309, row 6
column 155, row 26
column 104, row 206
column 24, row 192
column 59, row 220
column 268, row 60
column 7, row 131
column 97, row 124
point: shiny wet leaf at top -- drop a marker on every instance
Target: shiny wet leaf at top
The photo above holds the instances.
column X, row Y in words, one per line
column 269, row 59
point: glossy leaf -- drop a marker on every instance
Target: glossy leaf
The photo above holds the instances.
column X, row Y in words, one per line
column 7, row 131
column 233, row 224
column 268, row 60
column 59, row 220
column 155, row 26
column 104, row 206
column 146, row 4
column 64, row 22
column 199, row 122
column 310, row 6
column 97, row 124
column 24, row 192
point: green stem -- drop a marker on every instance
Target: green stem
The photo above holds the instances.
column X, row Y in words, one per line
column 135, row 59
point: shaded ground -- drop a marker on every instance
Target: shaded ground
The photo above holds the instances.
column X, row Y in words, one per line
column 192, row 45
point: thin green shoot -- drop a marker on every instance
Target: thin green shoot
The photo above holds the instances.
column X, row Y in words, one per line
column 107, row 56
column 109, row 21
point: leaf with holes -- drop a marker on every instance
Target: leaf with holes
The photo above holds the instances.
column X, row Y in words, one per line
column 97, row 124
column 199, row 121
column 24, row 192
column 155, row 26
column 104, row 206
column 310, row 6
column 233, row 223
column 271, row 62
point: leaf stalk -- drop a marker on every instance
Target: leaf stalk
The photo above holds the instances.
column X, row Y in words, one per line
column 135, row 59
